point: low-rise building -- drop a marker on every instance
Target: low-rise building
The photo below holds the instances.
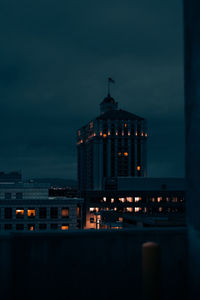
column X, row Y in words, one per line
column 28, row 206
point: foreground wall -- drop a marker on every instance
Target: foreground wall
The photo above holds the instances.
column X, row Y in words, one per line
column 192, row 104
column 88, row 264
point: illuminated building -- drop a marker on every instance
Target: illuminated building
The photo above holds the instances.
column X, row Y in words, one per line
column 110, row 146
column 30, row 207
column 145, row 201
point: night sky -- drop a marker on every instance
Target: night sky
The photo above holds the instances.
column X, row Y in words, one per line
column 55, row 57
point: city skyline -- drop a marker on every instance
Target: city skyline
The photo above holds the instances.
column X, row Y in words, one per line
column 54, row 67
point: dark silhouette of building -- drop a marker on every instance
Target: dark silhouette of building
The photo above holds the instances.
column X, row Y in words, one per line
column 109, row 146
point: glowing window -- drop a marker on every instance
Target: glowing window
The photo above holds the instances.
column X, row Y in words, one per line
column 104, row 199
column 122, row 132
column 119, row 153
column 104, row 135
column 137, row 209
column 129, row 133
column 64, row 226
column 78, row 210
column 136, row 133
column 146, row 134
column 108, row 132
column 112, row 200
column 122, row 199
column 31, row 213
column 115, row 208
column 153, row 199
column 125, row 125
column 116, row 132
column 92, row 209
column 137, row 199
column 142, row 133
column 129, row 209
column 159, row 199
column 125, row 153
column 100, row 133
column 129, row 199
column 31, row 227
column 79, row 133
column 65, row 212
column 138, row 168
column 175, row 199
column 120, row 219
column 160, row 209
column 145, row 209
column 19, row 213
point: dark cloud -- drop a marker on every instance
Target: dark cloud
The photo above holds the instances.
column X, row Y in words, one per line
column 55, row 57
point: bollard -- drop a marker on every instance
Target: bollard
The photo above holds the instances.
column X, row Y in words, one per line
column 151, row 273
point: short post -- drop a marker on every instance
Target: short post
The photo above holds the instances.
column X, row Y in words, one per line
column 151, row 271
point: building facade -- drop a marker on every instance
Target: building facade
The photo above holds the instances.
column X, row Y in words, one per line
column 137, row 201
column 110, row 146
column 28, row 207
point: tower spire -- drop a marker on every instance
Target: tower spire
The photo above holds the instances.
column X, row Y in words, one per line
column 110, row 80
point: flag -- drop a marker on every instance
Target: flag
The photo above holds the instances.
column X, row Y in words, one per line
column 111, row 80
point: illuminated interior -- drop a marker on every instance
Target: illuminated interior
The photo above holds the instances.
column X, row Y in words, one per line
column 138, row 168
column 19, row 213
column 65, row 212
column 65, row 227
column 31, row 213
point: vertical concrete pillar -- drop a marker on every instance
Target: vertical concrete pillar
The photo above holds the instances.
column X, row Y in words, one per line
column 151, row 271
column 192, row 113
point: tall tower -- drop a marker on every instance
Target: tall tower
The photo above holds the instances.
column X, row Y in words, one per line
column 110, row 146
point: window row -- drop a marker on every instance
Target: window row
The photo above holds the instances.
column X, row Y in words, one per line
column 20, row 212
column 145, row 199
column 32, row 227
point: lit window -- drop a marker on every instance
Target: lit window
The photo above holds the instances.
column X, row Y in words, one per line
column 100, row 133
column 19, row 213
column 104, row 135
column 175, row 199
column 119, row 153
column 91, row 125
column 79, row 133
column 65, row 226
column 115, row 208
column 125, row 125
column 31, row 213
column 129, row 199
column 145, row 209
column 78, row 211
column 122, row 133
column 104, row 199
column 153, row 199
column 136, row 133
column 167, row 199
column 94, row 134
column 92, row 209
column 65, row 212
column 112, row 200
column 129, row 133
column 31, row 227
column 129, row 209
column 159, row 199
column 108, row 132
column 146, row 134
column 120, row 219
column 160, row 209
column 116, row 132
column 137, row 209
column 122, row 199
column 125, row 153
column 138, row 168
column 142, row 133
column 137, row 199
